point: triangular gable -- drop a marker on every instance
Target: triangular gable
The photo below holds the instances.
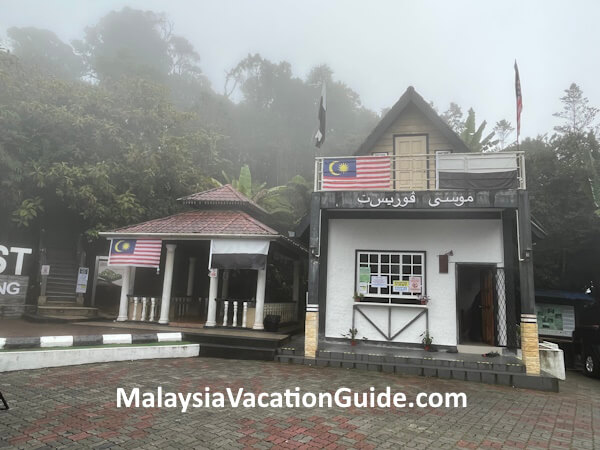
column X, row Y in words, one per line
column 411, row 97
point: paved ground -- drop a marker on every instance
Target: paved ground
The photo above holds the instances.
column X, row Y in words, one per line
column 76, row 407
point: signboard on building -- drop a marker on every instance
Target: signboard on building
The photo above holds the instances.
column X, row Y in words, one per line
column 45, row 269
column 13, row 285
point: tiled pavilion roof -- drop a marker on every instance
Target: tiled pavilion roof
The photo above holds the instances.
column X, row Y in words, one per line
column 202, row 222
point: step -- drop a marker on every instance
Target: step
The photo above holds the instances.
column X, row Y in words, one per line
column 237, row 352
column 519, row 379
column 67, row 298
column 66, row 311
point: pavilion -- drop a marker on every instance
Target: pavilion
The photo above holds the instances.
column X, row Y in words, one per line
column 235, row 241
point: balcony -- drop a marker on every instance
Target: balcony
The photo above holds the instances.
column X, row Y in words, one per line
column 421, row 172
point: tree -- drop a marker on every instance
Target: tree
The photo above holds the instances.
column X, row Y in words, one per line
column 104, row 155
column 503, row 130
column 472, row 135
column 453, row 116
column 577, row 115
column 43, row 49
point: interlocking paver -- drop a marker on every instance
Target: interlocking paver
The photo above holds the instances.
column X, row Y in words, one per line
column 75, row 407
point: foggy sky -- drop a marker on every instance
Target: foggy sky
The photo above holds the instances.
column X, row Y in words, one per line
column 461, row 51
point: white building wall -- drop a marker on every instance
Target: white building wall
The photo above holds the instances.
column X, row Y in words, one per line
column 472, row 241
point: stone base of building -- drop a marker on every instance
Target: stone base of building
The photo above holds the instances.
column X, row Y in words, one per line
column 311, row 334
column 530, row 344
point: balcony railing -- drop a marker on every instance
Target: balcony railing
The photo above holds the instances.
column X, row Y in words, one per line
column 421, row 172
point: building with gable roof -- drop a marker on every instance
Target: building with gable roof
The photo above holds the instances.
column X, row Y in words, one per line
column 415, row 236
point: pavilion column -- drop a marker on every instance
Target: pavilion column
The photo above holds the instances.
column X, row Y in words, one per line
column 261, row 284
column 211, row 317
column 190, row 280
column 124, row 301
column 296, row 282
column 167, row 283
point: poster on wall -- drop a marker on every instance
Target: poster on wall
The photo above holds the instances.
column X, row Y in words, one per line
column 400, row 286
column 415, row 285
column 363, row 288
column 379, row 281
column 364, row 275
column 109, row 279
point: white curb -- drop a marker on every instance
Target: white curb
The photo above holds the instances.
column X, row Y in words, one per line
column 169, row 337
column 116, row 339
column 56, row 341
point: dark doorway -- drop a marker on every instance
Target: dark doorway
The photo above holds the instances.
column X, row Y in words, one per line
column 475, row 304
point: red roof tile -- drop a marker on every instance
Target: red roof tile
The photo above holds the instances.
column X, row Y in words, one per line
column 206, row 222
column 221, row 195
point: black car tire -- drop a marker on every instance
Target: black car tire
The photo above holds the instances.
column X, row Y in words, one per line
column 591, row 365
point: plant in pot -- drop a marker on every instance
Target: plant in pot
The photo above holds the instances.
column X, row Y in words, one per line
column 424, row 299
column 351, row 334
column 427, row 340
column 358, row 297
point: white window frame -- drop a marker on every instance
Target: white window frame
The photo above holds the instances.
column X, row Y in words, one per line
column 390, row 296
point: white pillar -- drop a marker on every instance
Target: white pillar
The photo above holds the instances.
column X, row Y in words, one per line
column 211, row 316
column 167, row 282
column 190, row 282
column 296, row 285
column 225, row 288
column 124, row 304
column 261, row 284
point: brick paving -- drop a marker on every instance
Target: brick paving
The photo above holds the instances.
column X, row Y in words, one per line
column 75, row 407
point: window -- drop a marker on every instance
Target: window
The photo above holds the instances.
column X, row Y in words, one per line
column 390, row 276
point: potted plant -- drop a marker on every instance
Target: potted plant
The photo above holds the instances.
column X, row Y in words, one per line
column 358, row 297
column 424, row 299
column 427, row 340
column 351, row 334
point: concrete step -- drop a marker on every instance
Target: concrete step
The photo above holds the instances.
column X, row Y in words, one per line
column 70, row 298
column 62, row 312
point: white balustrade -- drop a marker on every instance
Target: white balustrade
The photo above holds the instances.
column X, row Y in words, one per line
column 144, row 303
column 235, row 309
column 135, row 305
column 225, row 312
column 245, row 315
column 152, row 308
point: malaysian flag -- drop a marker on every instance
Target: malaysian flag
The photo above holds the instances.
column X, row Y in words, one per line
column 519, row 99
column 361, row 172
column 135, row 252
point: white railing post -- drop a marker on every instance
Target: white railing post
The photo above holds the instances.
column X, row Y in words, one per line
column 152, row 308
column 144, row 301
column 135, row 303
column 225, row 312
column 244, row 315
column 235, row 309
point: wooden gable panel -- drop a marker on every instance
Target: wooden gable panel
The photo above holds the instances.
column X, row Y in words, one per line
column 412, row 121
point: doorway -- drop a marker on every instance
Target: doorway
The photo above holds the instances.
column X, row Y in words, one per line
column 475, row 304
